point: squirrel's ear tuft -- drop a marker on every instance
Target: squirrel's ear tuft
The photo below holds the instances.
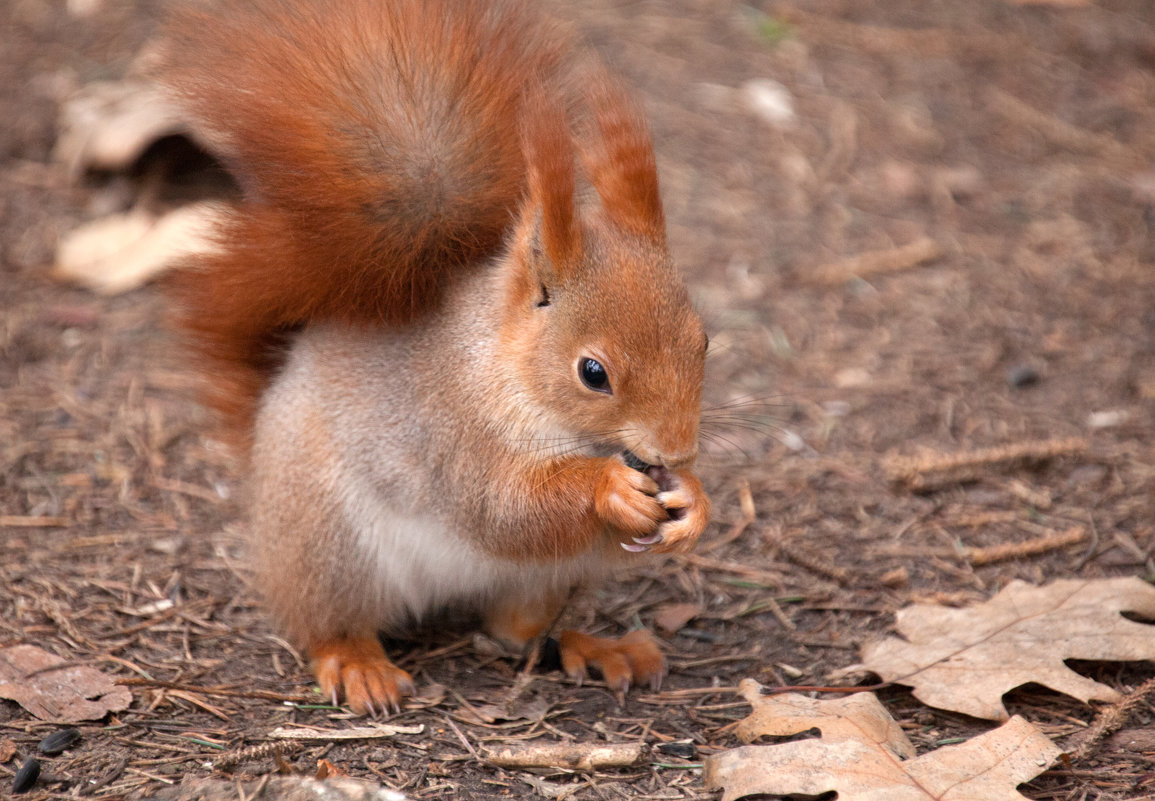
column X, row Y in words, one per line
column 549, row 158
column 619, row 157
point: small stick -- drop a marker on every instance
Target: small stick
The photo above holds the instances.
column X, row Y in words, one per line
column 1032, row 547
column 573, row 756
column 767, row 577
column 749, row 515
column 1057, row 131
column 939, row 469
column 461, row 736
column 199, row 702
column 1109, row 720
column 32, row 521
column 876, row 262
column 253, row 752
column 773, row 608
column 840, row 575
column 376, row 731
column 224, row 692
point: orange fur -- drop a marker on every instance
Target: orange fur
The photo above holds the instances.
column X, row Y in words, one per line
column 373, row 168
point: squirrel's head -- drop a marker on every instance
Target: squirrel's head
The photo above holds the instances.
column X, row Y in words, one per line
column 597, row 319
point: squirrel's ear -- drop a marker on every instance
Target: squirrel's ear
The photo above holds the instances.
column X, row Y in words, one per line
column 549, row 157
column 619, row 156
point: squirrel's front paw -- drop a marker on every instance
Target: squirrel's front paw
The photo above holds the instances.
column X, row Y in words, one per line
column 357, row 669
column 625, row 499
column 688, row 506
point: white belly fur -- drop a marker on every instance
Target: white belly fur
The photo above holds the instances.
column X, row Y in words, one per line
column 422, row 566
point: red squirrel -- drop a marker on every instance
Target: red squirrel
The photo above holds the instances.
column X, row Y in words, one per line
column 442, row 324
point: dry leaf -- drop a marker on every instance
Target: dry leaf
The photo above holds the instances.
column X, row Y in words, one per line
column 552, row 789
column 29, row 676
column 486, row 714
column 327, row 770
column 121, row 252
column 671, row 618
column 853, row 717
column 859, row 756
column 964, row 660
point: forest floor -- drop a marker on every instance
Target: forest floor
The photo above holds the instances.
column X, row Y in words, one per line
column 994, row 159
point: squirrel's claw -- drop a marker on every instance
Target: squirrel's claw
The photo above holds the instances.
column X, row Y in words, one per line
column 688, row 507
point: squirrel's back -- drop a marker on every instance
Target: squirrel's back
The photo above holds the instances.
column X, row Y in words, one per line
column 378, row 146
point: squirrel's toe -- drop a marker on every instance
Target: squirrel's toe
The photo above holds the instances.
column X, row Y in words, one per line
column 623, row 661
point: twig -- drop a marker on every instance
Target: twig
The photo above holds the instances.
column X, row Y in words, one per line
column 461, row 736
column 185, row 695
column 373, row 732
column 876, row 262
column 1109, row 720
column 32, row 521
column 575, row 756
column 254, row 752
column 814, row 564
column 771, row 605
column 766, row 577
column 263, row 695
column 1031, row 547
column 1057, row 131
column 932, row 470
column 749, row 515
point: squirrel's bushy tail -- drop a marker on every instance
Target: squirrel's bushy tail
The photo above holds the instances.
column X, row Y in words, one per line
column 377, row 144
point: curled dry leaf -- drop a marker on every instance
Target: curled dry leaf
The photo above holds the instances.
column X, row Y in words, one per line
column 864, row 756
column 964, row 660
column 109, row 125
column 30, row 676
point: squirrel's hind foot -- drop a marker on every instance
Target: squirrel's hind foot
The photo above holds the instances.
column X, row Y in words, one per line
column 357, row 669
column 623, row 661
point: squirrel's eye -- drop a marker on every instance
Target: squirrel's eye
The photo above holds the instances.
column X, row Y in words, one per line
column 594, row 375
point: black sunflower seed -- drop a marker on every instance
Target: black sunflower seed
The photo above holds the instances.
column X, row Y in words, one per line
column 59, row 741
column 681, row 750
column 27, row 775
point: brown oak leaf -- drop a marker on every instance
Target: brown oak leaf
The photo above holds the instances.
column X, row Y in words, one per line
column 52, row 689
column 964, row 660
column 860, row 755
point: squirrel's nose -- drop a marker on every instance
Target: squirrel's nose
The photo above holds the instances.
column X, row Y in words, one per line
column 682, row 458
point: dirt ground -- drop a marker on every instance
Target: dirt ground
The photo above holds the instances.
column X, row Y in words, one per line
column 995, row 155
